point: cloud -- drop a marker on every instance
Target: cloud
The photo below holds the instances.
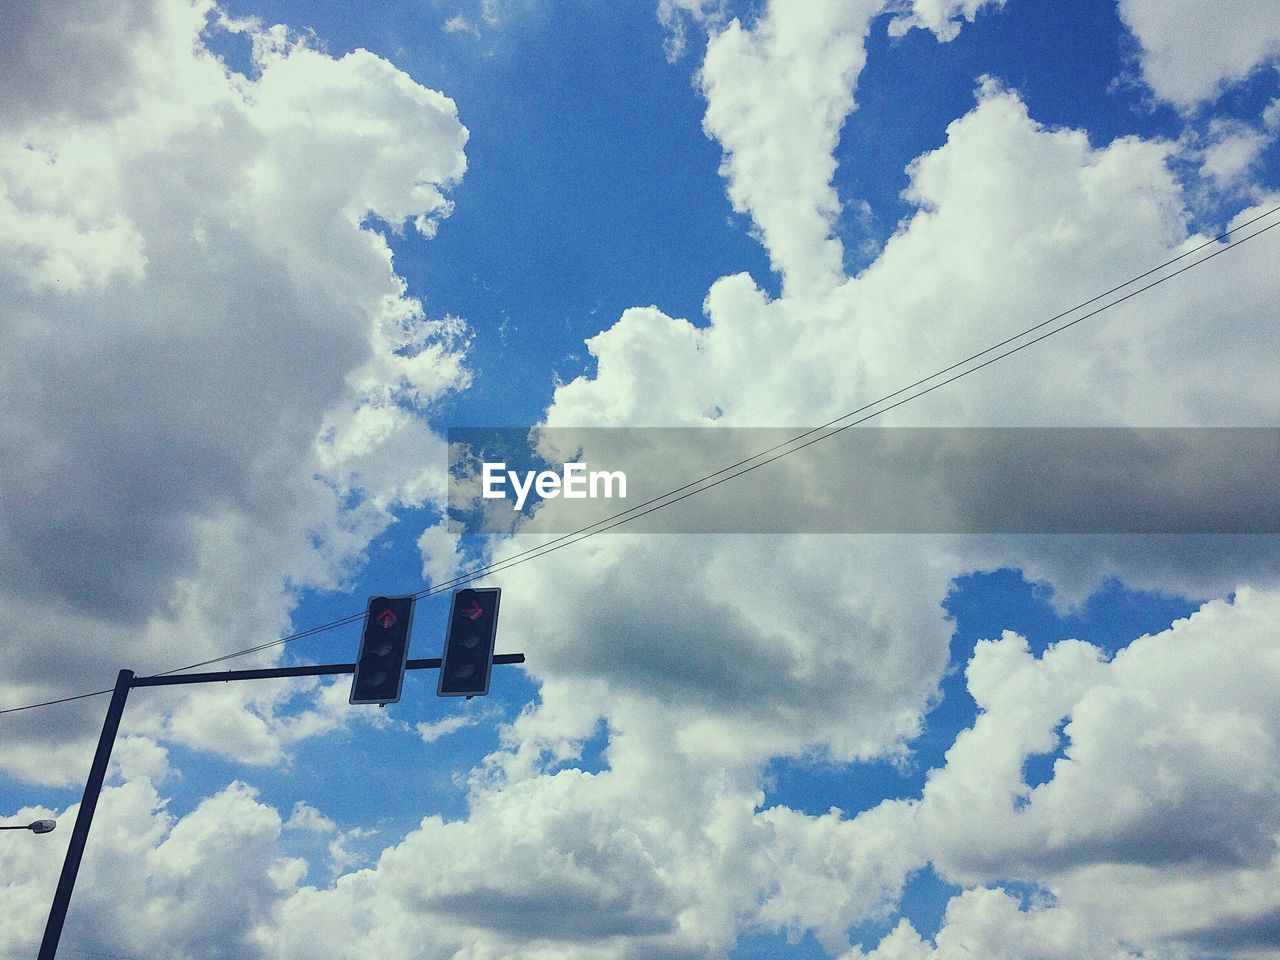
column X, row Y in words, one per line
column 777, row 93
column 492, row 887
column 214, row 380
column 431, row 732
column 707, row 657
column 1158, row 824
column 710, row 655
column 342, row 859
column 460, row 24
column 825, row 652
column 1233, row 150
column 307, row 817
column 87, row 33
column 585, row 865
column 1271, row 115
column 999, row 175
column 940, row 16
column 949, row 283
column 702, row 660
column 148, row 878
column 990, row 923
column 1191, row 52
column 441, row 553
column 663, row 854
column 677, row 15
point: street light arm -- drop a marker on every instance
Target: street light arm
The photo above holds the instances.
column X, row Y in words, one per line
column 36, row 826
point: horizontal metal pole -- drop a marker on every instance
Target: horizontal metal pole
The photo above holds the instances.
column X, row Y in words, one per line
column 314, row 670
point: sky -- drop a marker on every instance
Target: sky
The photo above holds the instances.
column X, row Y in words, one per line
column 258, row 259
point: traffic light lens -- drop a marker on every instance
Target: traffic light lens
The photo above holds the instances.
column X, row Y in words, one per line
column 463, row 670
column 470, row 641
column 383, row 648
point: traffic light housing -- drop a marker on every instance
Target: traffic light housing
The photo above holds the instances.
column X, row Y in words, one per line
column 384, row 649
column 468, row 645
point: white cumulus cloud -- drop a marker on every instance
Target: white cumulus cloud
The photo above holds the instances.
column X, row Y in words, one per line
column 205, row 353
column 1193, row 50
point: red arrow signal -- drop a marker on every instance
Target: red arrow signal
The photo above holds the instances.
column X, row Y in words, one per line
column 473, row 612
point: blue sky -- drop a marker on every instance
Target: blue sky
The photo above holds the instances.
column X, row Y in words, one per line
column 261, row 257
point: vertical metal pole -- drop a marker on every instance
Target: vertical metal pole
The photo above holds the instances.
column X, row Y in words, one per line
column 80, row 832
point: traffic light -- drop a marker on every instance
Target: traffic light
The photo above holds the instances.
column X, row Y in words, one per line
column 468, row 646
column 384, row 648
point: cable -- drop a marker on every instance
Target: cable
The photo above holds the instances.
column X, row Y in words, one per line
column 963, row 373
column 301, row 634
column 902, row 390
column 668, row 498
column 50, row 703
column 695, row 487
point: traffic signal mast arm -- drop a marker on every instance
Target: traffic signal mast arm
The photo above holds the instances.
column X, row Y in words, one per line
column 311, row 670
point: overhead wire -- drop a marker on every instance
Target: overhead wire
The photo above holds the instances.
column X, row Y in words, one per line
column 753, row 462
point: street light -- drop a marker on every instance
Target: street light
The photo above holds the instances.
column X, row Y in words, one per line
column 36, row 826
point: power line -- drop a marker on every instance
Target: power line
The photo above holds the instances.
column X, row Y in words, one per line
column 695, row 487
column 933, row 376
column 725, row 474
